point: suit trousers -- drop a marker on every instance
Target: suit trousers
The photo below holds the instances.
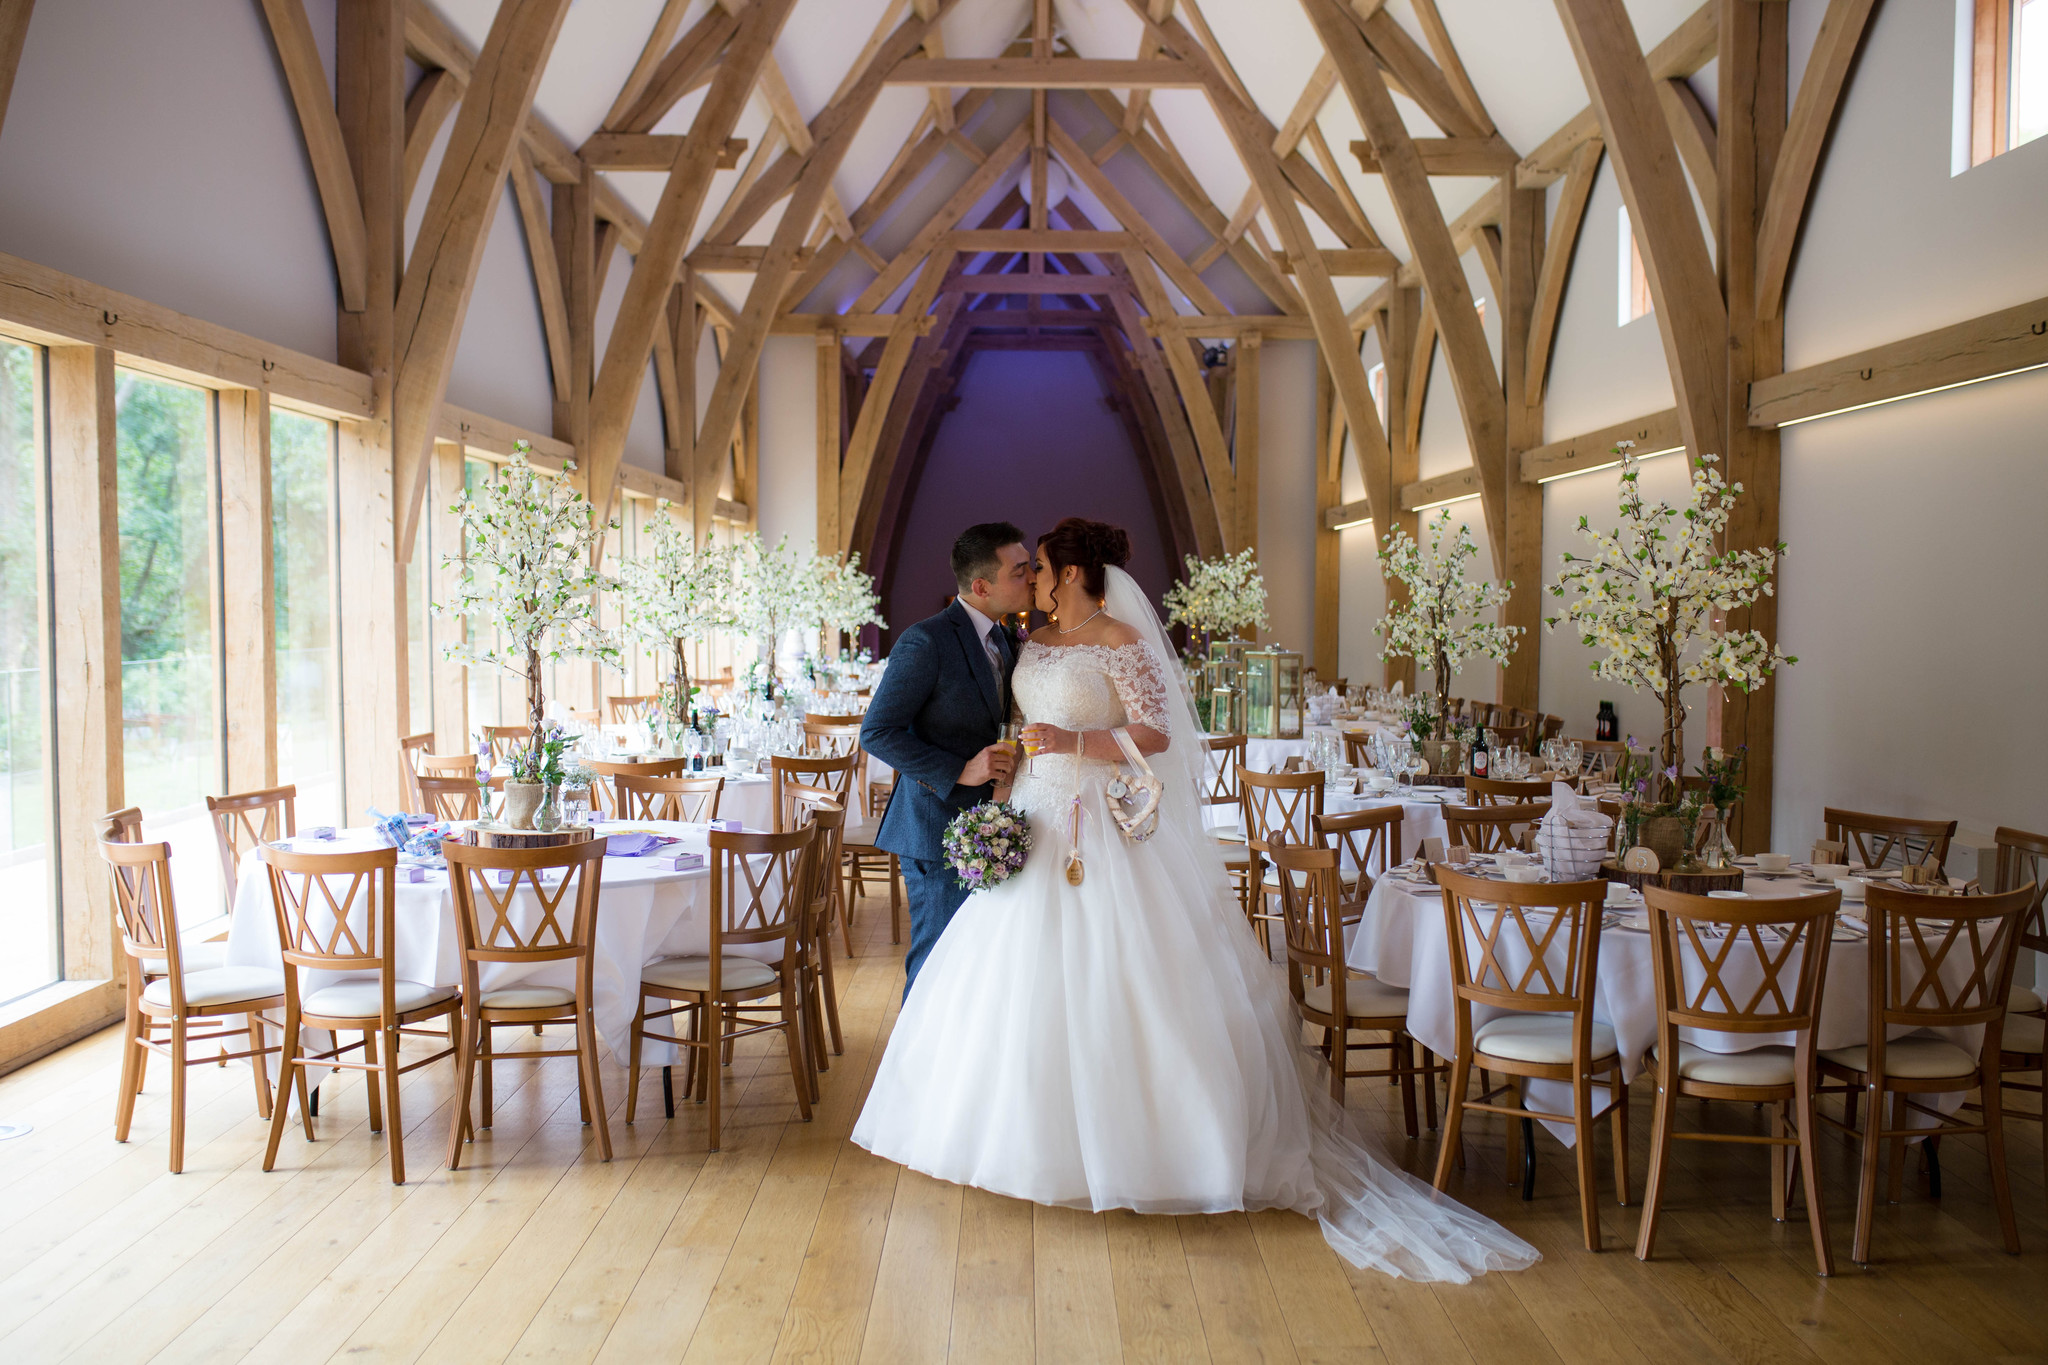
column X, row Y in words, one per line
column 934, row 894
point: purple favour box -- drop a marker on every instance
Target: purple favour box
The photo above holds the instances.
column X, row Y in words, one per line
column 729, row 826
column 412, row 874
column 682, row 862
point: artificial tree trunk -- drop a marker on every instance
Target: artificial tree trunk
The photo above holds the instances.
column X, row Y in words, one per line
column 536, row 703
column 1672, row 746
column 1441, row 662
column 682, row 685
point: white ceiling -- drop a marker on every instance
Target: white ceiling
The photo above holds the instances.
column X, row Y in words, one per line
column 1515, row 51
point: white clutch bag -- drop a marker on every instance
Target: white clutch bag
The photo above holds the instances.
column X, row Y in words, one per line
column 1133, row 796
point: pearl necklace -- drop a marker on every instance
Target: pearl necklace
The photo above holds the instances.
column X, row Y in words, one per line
column 1057, row 630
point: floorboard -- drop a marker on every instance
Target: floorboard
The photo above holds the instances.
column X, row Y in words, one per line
column 792, row 1244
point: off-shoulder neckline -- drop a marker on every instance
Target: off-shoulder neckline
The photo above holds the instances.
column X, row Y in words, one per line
column 1107, row 649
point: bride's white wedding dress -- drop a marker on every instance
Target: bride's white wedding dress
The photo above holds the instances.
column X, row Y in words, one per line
column 1123, row 1043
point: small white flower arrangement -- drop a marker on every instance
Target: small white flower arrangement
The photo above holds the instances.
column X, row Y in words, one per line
column 527, row 574
column 675, row 592
column 1655, row 592
column 1440, row 622
column 1219, row 596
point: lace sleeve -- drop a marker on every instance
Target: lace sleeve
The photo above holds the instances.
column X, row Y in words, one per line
column 1141, row 686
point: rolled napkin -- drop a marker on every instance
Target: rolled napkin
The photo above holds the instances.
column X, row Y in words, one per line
column 1580, row 812
column 629, row 845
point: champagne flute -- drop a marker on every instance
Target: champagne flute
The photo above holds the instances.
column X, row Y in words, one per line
column 1013, row 735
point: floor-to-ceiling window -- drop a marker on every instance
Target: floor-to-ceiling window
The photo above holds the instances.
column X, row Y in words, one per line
column 29, row 933
column 302, row 453
column 170, row 700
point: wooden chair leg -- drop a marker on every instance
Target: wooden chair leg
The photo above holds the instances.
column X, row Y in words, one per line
column 1778, row 1157
column 829, row 986
column 633, row 1058
column 1895, row 1176
column 1809, row 1172
column 1866, row 1182
column 465, row 1079
column 132, row 1055
column 258, row 1071
column 289, row 1070
column 391, row 1115
column 803, row 1076
column 1994, row 1143
column 895, row 900
column 1399, row 1044
column 1429, row 1060
column 1583, row 1130
column 586, row 1053
column 375, row 1101
column 177, row 1096
column 486, row 1103
column 1660, row 1154
column 708, row 1078
column 1618, row 1118
column 1450, row 1152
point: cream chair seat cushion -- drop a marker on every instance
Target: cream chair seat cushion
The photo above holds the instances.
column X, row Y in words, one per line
column 2023, row 1000
column 203, row 955
column 2022, row 1033
column 1910, row 1058
column 363, row 998
column 1758, row 1066
column 1366, row 996
column 694, row 973
column 213, row 986
column 1543, row 1038
column 527, row 998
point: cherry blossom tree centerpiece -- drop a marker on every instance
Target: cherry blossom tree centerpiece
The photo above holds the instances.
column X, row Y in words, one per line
column 1440, row 624
column 676, row 592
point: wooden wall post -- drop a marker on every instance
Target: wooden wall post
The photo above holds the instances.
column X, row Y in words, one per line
column 1329, row 579
column 1246, row 472
column 1752, row 110
column 1399, row 333
column 86, row 612
column 249, row 602
column 451, row 680
column 372, row 672
column 1521, row 248
column 831, row 388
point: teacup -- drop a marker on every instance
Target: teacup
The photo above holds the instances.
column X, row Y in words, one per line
column 1852, row 888
column 1773, row 862
column 1617, row 893
column 1729, row 895
column 1523, row 872
column 1827, row 872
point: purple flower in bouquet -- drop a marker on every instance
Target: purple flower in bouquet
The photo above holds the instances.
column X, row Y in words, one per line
column 986, row 844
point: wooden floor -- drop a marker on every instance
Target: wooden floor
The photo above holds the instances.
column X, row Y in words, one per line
column 792, row 1244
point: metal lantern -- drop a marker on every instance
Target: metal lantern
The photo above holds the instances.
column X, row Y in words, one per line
column 1226, row 711
column 1273, row 693
column 1226, row 663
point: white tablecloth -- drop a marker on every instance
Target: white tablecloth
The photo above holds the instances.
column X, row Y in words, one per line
column 1401, row 940
column 645, row 912
column 1422, row 815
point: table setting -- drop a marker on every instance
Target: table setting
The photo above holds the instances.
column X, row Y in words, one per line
column 654, row 902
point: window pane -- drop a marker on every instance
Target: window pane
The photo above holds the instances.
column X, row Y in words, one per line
column 302, row 545
column 28, row 903
column 2029, row 71
column 171, row 758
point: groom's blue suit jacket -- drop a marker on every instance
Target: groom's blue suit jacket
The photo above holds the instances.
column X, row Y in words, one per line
column 938, row 706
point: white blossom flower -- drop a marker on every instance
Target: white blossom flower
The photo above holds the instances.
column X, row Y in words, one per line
column 1439, row 623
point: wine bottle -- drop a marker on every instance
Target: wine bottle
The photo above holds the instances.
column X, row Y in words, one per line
column 1481, row 761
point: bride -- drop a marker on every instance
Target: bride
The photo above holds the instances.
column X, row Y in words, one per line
column 1121, row 1043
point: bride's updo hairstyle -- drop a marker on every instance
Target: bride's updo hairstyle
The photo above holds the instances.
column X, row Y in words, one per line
column 1089, row 546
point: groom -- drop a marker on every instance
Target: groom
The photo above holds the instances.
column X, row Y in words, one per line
column 936, row 719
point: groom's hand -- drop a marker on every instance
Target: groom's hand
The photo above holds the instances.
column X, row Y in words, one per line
column 996, row 763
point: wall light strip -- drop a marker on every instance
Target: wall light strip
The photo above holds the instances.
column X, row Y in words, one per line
column 1443, row 502
column 1611, row 464
column 1917, row 393
column 1347, row 525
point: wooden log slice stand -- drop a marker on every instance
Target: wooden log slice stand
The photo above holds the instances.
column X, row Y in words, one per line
column 496, row 836
column 1691, row 883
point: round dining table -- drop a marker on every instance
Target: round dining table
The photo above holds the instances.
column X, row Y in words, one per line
column 1402, row 939
column 647, row 909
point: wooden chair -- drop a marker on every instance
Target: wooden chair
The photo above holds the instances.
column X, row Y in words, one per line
column 1489, row 829
column 1551, row 728
column 1223, row 759
column 1879, row 840
column 446, row 765
column 604, row 796
column 1507, row 736
column 1936, row 962
column 1692, row 941
column 1533, row 950
column 1358, row 750
column 410, row 750
column 835, row 774
column 626, row 710
column 758, row 883
column 449, row 798
column 124, row 826
column 503, row 739
column 820, row 991
column 1478, row 713
column 526, row 936
column 829, row 736
column 1602, row 756
column 167, row 995
column 691, row 799
column 245, row 820
column 1328, row 995
column 351, row 934
column 1499, row 791
column 591, row 716
column 1275, row 806
column 863, row 858
column 1369, row 841
column 2023, row 858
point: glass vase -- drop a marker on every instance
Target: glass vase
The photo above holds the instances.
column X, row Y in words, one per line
column 1716, row 849
column 549, row 817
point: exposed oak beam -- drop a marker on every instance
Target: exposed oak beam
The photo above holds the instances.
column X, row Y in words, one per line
column 1042, row 73
column 291, row 33
column 433, row 99
column 1448, row 156
column 1689, row 47
column 1813, row 113
column 1364, row 260
column 649, row 151
column 1557, row 261
column 14, row 16
column 1654, row 434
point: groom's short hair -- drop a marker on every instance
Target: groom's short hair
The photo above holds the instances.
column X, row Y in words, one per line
column 977, row 553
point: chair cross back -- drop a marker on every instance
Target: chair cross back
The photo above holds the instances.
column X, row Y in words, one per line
column 321, row 931
column 2023, row 858
column 246, row 819
column 757, row 885
column 141, row 876
column 625, row 710
column 545, row 937
column 1225, row 755
column 1489, row 829
column 1370, row 839
column 1915, row 936
column 833, row 773
column 1279, row 807
column 503, row 739
column 1490, row 923
column 448, row 798
column 1791, row 959
column 1500, row 791
column 691, row 799
column 1311, row 900
column 1875, row 838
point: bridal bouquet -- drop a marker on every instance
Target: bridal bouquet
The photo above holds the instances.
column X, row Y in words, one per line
column 986, row 844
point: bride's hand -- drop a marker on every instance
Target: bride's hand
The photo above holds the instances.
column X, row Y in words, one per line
column 1041, row 738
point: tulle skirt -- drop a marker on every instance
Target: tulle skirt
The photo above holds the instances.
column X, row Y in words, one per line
column 1123, row 1044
